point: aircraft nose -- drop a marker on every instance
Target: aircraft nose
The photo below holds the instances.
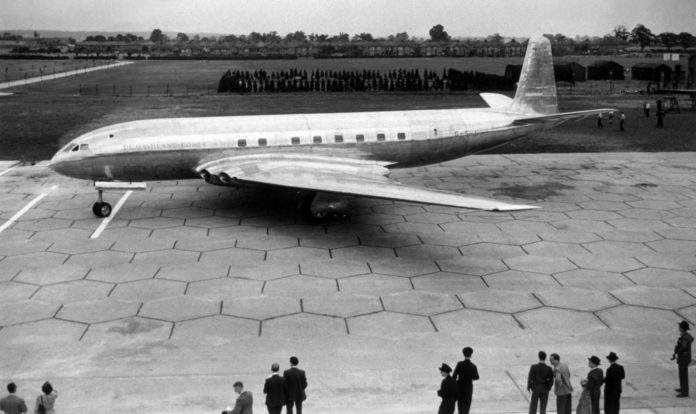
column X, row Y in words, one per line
column 55, row 160
column 57, row 163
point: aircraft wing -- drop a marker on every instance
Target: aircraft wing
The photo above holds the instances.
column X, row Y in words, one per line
column 338, row 175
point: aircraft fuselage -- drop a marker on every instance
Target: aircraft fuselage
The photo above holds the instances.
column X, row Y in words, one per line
column 166, row 149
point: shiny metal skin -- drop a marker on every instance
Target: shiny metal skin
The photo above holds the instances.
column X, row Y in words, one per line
column 342, row 153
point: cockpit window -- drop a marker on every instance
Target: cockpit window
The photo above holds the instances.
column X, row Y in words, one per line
column 84, row 147
column 71, row 147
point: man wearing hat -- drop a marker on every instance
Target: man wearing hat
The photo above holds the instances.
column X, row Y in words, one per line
column 465, row 373
column 447, row 391
column 612, row 385
column 682, row 353
column 595, row 378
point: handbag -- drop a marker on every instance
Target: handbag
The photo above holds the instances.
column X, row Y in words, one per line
column 41, row 409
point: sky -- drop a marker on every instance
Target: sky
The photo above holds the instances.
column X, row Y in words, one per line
column 460, row 18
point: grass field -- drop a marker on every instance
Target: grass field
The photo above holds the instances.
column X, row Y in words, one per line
column 202, row 77
column 40, row 118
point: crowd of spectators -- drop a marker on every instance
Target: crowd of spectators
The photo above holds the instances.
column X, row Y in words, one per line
column 397, row 80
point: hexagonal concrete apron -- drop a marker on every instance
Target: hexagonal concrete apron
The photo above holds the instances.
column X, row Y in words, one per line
column 192, row 287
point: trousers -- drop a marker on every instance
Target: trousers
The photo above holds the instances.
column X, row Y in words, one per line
column 298, row 405
column 540, row 398
column 464, row 402
column 564, row 404
column 684, row 378
column 612, row 403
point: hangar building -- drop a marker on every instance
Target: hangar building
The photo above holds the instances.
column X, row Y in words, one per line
column 605, row 70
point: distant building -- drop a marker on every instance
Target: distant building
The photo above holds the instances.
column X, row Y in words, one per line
column 94, row 48
column 563, row 72
column 656, row 72
column 513, row 72
column 579, row 71
column 605, row 70
column 12, row 46
column 611, row 46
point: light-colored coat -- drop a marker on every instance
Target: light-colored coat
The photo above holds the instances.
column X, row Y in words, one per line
column 561, row 375
column 48, row 400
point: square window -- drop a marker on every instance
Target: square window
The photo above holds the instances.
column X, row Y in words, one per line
column 338, row 138
column 380, row 137
column 241, row 143
column 317, row 139
column 360, row 138
column 401, row 136
column 295, row 140
column 262, row 142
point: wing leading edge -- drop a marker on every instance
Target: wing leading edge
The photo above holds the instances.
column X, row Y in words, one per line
column 339, row 175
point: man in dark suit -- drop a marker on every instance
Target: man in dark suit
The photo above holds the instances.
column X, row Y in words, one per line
column 539, row 382
column 447, row 391
column 275, row 390
column 244, row 403
column 612, row 385
column 595, row 378
column 296, row 382
column 682, row 353
column 465, row 373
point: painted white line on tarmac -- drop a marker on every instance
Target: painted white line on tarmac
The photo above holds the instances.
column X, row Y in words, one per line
column 51, row 76
column 21, row 212
column 107, row 220
column 8, row 166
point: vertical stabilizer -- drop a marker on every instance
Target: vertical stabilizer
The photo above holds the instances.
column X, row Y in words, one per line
column 536, row 90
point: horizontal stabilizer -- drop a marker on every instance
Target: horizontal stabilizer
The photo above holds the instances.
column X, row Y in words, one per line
column 561, row 117
column 496, row 100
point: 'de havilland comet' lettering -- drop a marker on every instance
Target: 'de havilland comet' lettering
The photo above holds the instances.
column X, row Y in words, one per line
column 327, row 156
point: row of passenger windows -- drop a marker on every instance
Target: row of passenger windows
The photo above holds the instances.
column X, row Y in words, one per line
column 317, row 139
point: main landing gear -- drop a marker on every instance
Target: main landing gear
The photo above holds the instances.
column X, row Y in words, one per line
column 318, row 207
column 101, row 208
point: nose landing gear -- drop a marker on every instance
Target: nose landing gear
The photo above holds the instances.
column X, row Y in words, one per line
column 101, row 208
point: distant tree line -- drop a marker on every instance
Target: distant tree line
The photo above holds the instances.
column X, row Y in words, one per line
column 397, row 80
column 118, row 38
column 640, row 35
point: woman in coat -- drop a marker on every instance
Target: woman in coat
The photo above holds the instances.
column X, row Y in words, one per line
column 46, row 400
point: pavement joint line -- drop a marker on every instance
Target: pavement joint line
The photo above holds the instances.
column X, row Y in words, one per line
column 107, row 220
column 524, row 395
column 21, row 212
column 84, row 332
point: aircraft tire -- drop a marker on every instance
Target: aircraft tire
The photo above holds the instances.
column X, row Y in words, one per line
column 320, row 215
column 101, row 209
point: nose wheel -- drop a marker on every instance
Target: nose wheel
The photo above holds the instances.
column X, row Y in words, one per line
column 101, row 208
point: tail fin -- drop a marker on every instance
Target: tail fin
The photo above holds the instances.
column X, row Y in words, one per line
column 536, row 90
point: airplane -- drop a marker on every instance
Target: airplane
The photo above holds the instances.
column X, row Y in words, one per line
column 327, row 157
